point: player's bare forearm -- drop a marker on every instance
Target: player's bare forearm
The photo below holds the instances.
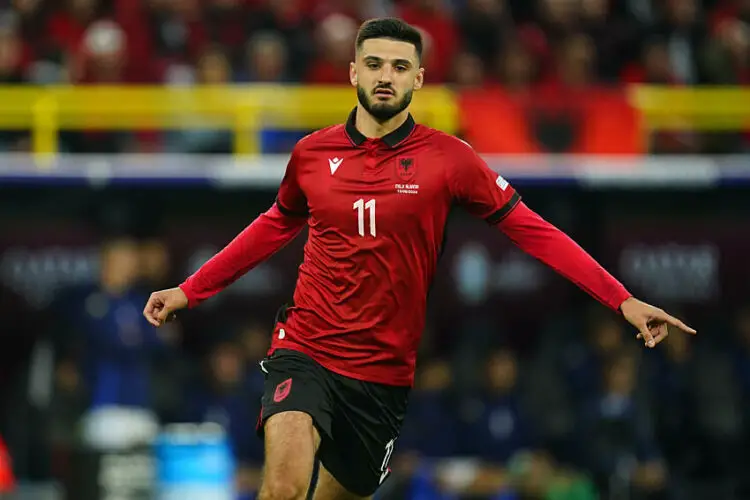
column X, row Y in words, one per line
column 537, row 237
column 267, row 234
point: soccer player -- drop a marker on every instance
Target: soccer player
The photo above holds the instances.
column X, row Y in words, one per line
column 375, row 194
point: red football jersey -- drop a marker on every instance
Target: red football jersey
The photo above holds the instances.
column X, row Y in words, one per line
column 377, row 211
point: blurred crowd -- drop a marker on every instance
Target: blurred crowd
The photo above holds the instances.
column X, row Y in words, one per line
column 472, row 44
column 584, row 411
column 469, row 42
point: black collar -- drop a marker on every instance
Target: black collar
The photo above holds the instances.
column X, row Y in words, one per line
column 393, row 139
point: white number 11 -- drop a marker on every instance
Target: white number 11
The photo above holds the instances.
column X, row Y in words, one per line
column 360, row 206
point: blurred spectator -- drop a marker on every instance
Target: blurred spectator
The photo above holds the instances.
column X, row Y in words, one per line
column 266, row 59
column 68, row 24
column 516, row 67
column 119, row 348
column 429, row 435
column 483, row 25
column 468, row 71
column 685, row 35
column 727, row 56
column 610, row 35
column 335, row 37
column 30, row 17
column 584, row 362
column 559, row 20
column 430, row 415
column 213, row 69
column 654, row 66
column 227, row 22
column 575, row 64
column 496, row 424
column 287, row 18
column 432, row 17
column 176, row 35
column 213, row 66
column 103, row 57
column 224, row 398
column 154, row 264
column 12, row 70
column 617, row 435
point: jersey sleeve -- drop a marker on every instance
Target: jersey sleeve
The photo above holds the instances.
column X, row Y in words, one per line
column 290, row 199
column 476, row 187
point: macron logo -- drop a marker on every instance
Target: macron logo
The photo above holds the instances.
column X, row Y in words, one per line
column 335, row 163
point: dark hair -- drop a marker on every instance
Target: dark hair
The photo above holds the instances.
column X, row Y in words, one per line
column 391, row 28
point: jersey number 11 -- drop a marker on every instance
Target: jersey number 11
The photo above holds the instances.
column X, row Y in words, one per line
column 360, row 206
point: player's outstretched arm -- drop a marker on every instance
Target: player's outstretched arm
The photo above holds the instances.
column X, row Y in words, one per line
column 267, row 234
column 539, row 238
column 487, row 195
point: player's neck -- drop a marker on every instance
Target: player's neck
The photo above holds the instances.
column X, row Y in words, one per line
column 372, row 129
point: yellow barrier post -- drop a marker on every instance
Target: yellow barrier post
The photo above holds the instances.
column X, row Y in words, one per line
column 247, row 130
column 45, row 130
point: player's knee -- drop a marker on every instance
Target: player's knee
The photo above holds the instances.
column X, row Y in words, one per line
column 283, row 488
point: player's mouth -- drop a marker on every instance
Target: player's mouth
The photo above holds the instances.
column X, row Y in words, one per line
column 384, row 92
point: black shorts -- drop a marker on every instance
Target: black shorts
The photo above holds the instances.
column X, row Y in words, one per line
column 358, row 421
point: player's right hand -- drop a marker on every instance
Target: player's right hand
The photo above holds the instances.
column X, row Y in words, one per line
column 161, row 305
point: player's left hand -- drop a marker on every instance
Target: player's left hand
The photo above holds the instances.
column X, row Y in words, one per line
column 652, row 323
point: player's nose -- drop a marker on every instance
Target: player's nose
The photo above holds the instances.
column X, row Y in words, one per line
column 386, row 74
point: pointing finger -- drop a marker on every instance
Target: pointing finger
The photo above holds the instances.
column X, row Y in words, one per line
column 677, row 323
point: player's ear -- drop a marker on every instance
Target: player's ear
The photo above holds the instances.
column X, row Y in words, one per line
column 353, row 74
column 419, row 79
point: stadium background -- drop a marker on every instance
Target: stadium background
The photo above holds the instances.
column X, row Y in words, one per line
column 138, row 136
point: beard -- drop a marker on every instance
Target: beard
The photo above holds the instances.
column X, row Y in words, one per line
column 383, row 111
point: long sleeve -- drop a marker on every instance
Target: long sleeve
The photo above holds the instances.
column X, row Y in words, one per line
column 542, row 240
column 266, row 235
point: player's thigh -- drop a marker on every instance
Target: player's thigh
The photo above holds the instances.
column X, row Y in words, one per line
column 328, row 488
column 291, row 441
column 296, row 411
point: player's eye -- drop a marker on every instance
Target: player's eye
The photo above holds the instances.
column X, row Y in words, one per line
column 373, row 65
column 401, row 67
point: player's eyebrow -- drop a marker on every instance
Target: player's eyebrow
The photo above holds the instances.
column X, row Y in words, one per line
column 395, row 62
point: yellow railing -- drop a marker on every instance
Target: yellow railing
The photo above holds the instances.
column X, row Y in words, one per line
column 245, row 110
column 691, row 108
